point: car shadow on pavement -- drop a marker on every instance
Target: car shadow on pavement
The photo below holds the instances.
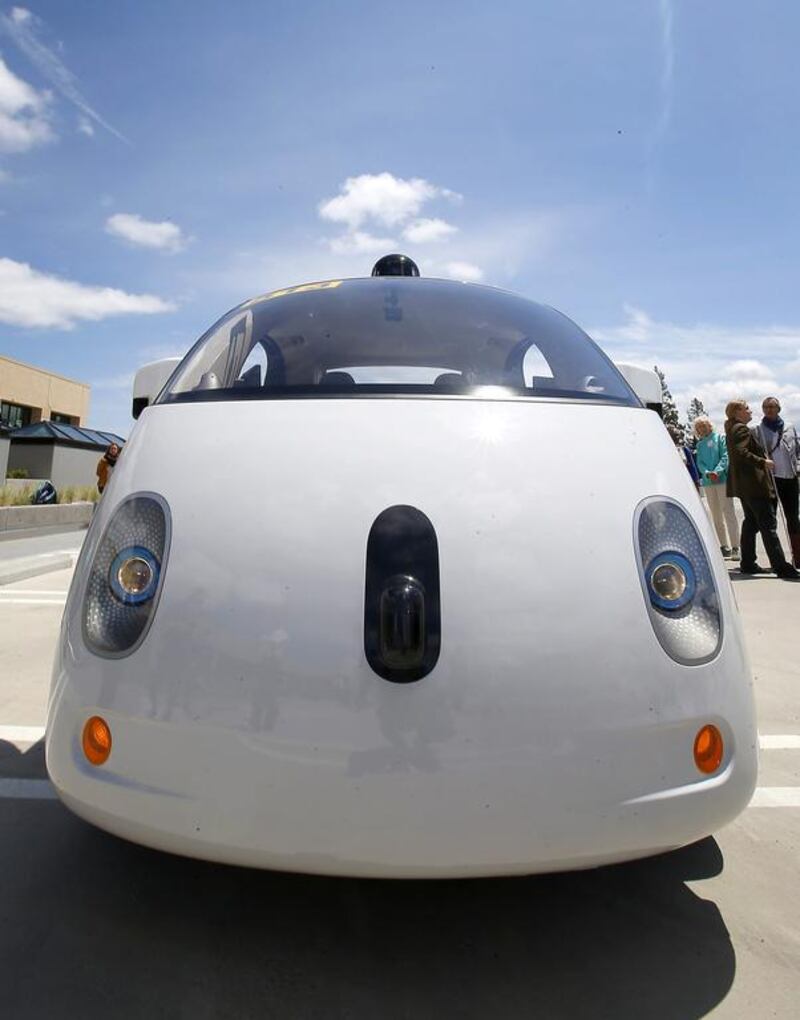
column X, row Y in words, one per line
column 27, row 764
column 91, row 921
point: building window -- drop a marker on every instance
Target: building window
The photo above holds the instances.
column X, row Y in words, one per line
column 14, row 416
column 61, row 419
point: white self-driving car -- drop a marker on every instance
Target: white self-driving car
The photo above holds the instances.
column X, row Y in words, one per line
column 399, row 577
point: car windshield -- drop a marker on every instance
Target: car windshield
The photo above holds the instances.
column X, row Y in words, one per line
column 388, row 336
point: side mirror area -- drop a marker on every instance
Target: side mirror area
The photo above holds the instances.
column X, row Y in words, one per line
column 645, row 384
column 149, row 382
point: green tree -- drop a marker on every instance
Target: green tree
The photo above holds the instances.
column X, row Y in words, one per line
column 696, row 408
column 670, row 408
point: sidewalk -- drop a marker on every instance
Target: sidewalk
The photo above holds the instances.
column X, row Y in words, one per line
column 23, row 558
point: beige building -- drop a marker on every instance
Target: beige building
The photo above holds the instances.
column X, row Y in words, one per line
column 29, row 394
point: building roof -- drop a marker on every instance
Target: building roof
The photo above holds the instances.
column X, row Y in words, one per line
column 59, row 433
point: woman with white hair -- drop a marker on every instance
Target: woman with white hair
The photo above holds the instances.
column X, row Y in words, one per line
column 711, row 456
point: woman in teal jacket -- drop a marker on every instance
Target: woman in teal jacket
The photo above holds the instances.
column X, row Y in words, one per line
column 711, row 456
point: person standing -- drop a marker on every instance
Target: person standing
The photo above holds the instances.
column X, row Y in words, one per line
column 105, row 466
column 749, row 478
column 711, row 457
column 779, row 439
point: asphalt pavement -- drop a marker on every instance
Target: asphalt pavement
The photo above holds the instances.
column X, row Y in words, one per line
column 92, row 924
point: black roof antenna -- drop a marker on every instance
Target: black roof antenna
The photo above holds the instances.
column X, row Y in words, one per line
column 395, row 265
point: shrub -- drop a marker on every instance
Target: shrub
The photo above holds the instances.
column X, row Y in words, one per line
column 18, row 473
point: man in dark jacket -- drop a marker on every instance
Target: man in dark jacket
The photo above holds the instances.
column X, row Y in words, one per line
column 750, row 478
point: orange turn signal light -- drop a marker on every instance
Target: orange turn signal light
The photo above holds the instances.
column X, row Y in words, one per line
column 96, row 740
column 708, row 749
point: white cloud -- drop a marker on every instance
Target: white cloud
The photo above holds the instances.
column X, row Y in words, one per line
column 24, row 28
column 747, row 369
column 24, row 114
column 29, row 298
column 428, row 231
column 713, row 362
column 716, row 394
column 663, row 115
column 641, row 333
column 359, row 242
column 498, row 249
column 384, row 200
column 665, row 18
column 463, row 271
column 85, row 127
column 639, row 325
column 165, row 236
column 387, row 199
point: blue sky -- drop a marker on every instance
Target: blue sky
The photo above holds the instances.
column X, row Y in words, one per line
column 632, row 163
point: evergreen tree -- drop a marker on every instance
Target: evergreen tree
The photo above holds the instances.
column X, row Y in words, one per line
column 695, row 410
column 670, row 408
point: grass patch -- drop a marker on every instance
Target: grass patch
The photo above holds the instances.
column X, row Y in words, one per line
column 16, row 495
column 78, row 494
column 21, row 496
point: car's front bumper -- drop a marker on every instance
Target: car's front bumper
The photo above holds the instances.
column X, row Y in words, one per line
column 405, row 808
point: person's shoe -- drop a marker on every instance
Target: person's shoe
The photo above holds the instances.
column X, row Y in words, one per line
column 755, row 569
column 735, row 553
column 726, row 552
column 789, row 574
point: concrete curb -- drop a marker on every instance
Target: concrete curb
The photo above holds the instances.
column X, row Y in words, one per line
column 25, row 567
column 14, row 518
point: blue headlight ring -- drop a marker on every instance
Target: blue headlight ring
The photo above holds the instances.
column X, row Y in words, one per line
column 679, row 560
column 134, row 552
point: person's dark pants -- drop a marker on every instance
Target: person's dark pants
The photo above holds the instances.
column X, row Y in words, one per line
column 759, row 515
column 789, row 495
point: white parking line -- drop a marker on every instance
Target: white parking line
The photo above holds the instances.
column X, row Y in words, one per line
column 779, row 741
column 23, row 734
column 10, row 593
column 776, row 796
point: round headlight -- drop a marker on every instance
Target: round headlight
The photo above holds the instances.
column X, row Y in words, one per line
column 134, row 575
column 671, row 581
column 668, row 581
